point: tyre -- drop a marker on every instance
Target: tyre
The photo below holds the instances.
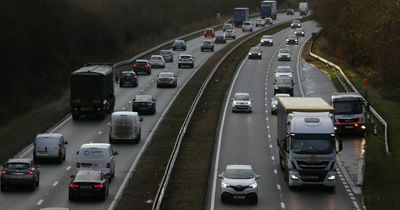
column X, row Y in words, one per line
column 179, row 66
column 111, row 140
column 60, row 159
column 120, row 84
column 104, row 197
column 136, row 84
column 64, row 156
column 32, row 186
column 192, row 66
column 255, row 199
column 70, row 197
column 223, row 199
column 37, row 182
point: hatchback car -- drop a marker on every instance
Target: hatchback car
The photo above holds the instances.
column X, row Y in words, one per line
column 97, row 156
column 167, row 79
column 284, row 54
column 128, row 78
column 260, row 22
column 209, row 32
column 144, row 104
column 289, row 12
column 207, row 45
column 142, row 66
column 283, row 85
column 185, row 60
column 230, row 34
column 227, row 26
column 292, row 40
column 299, row 32
column 255, row 53
column 157, row 61
column 274, row 102
column 241, row 102
column 125, row 126
column 268, row 21
column 49, row 146
column 283, row 71
column 88, row 183
column 19, row 172
column 267, row 40
column 179, row 45
column 239, row 182
column 220, row 39
column 295, row 24
column 168, row 55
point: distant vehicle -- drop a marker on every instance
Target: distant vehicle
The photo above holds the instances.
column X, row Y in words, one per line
column 239, row 182
column 303, row 8
column 92, row 91
column 248, row 26
column 283, row 85
column 209, row 32
column 144, row 104
column 186, row 60
column 19, row 172
column 128, row 78
column 283, row 71
column 299, row 32
column 289, row 12
column 267, row 40
column 268, row 9
column 88, row 183
column 295, row 24
column 179, row 45
column 142, row 66
column 207, row 45
column 260, row 22
column 227, row 26
column 50, row 146
column 292, row 39
column 167, row 79
column 125, row 126
column 157, row 61
column 240, row 14
column 284, row 54
column 168, row 55
column 350, row 113
column 220, row 39
column 97, row 156
column 54, row 208
column 255, row 53
column 241, row 102
column 268, row 21
column 230, row 34
column 274, row 102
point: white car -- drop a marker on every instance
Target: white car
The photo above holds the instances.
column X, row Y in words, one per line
column 283, row 71
column 248, row 26
column 230, row 34
column 267, row 40
column 268, row 21
column 241, row 102
column 260, row 23
column 274, row 102
column 239, row 182
column 157, row 61
column 185, row 60
column 284, row 54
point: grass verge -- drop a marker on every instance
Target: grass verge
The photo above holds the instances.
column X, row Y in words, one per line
column 381, row 183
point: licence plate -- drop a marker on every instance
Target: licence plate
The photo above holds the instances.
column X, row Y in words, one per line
column 43, row 152
column 86, row 187
column 348, row 126
column 18, row 174
column 239, row 197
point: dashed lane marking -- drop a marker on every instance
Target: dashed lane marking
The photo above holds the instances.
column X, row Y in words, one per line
column 39, row 202
column 55, row 183
column 68, row 168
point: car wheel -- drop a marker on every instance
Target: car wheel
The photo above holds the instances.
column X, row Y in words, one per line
column 158, row 85
column 37, row 182
column 192, row 65
column 70, row 197
column 111, row 140
column 179, row 66
column 255, row 199
column 104, row 196
column 136, row 84
column 60, row 158
column 223, row 199
column 64, row 156
column 120, row 84
column 33, row 186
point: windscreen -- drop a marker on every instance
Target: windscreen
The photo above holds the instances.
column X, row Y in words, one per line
column 17, row 166
column 239, row 174
column 312, row 146
column 242, row 97
column 46, row 141
column 348, row 107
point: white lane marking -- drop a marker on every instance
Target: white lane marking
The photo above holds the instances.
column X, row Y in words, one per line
column 275, row 171
column 282, row 205
column 39, row 202
column 346, row 186
column 351, row 194
column 270, row 146
column 100, row 132
column 278, row 186
column 269, row 136
column 141, row 90
column 348, row 190
column 352, row 198
column 356, row 205
column 129, row 102
column 272, row 157
column 68, row 168
column 55, row 183
column 217, row 156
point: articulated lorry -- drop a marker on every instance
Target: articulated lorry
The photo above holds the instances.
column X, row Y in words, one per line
column 92, row 91
column 306, row 141
column 240, row 14
column 303, row 8
column 350, row 113
column 268, row 9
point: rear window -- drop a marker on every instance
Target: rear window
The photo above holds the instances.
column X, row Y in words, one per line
column 93, row 153
column 46, row 141
column 166, row 75
column 17, row 166
column 185, row 57
column 87, row 176
column 122, row 120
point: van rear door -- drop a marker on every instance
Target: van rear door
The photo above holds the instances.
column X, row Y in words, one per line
column 47, row 146
column 93, row 158
column 123, row 126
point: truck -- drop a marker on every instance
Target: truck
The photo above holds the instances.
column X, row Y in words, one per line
column 350, row 113
column 268, row 9
column 303, row 8
column 92, row 91
column 240, row 14
column 306, row 141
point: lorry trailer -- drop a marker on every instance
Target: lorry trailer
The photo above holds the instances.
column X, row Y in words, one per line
column 268, row 9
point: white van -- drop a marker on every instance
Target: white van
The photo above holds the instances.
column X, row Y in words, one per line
column 248, row 26
column 49, row 146
column 97, row 156
column 125, row 125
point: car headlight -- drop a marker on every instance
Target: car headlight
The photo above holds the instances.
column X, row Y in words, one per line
column 224, row 185
column 331, row 177
column 259, row 53
column 249, row 53
column 294, row 177
column 234, row 103
column 363, row 127
column 254, row 185
column 287, row 40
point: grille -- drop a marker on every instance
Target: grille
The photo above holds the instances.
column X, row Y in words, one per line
column 239, row 188
column 313, row 165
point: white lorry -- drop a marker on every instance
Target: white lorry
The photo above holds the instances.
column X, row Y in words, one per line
column 303, row 8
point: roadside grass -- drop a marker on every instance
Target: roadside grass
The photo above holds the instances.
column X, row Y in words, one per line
column 380, row 188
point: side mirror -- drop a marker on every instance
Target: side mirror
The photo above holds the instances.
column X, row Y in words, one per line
column 141, row 119
column 154, row 99
column 77, row 152
column 72, row 176
column 115, row 153
column 221, row 175
column 107, row 176
column 252, row 99
column 65, row 142
column 257, row 176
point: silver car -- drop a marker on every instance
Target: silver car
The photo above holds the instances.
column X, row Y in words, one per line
column 284, row 54
column 241, row 102
column 283, row 71
column 168, row 55
column 239, row 182
column 157, row 61
column 274, row 102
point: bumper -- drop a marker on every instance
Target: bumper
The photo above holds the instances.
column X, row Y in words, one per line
column 207, row 49
column 127, row 83
column 351, row 128
column 146, row 71
column 76, row 194
column 22, row 181
column 283, row 58
column 242, row 109
column 233, row 194
column 266, row 43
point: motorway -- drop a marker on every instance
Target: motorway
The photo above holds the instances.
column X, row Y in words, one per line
column 250, row 138
column 54, row 179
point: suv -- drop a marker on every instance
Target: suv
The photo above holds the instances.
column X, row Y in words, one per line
column 142, row 66
column 292, row 39
column 19, row 172
column 283, row 85
column 260, row 22
column 295, row 24
column 242, row 102
column 209, row 32
column 230, row 34
column 284, row 54
column 179, row 45
column 128, row 78
column 49, row 146
column 283, row 71
column 247, row 26
column 185, row 60
column 227, row 26
column 144, row 104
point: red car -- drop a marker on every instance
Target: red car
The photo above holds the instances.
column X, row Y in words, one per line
column 142, row 66
column 209, row 32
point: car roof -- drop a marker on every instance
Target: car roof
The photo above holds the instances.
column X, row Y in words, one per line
column 88, row 175
column 282, row 95
column 96, row 145
column 19, row 160
column 238, row 94
column 255, row 48
column 164, row 51
column 118, row 113
column 166, row 72
column 283, row 67
column 286, row 49
column 185, row 55
column 142, row 60
column 49, row 135
column 239, row 167
column 267, row 36
column 159, row 56
column 179, row 40
column 144, row 97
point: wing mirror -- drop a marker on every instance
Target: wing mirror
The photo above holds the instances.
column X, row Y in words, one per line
column 257, row 176
column 115, row 153
column 65, row 142
column 221, row 175
column 141, row 119
column 72, row 176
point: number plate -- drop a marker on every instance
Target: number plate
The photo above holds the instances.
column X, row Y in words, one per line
column 348, row 126
column 239, row 197
column 86, row 187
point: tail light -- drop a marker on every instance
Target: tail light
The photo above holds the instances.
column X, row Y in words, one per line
column 74, row 185
column 97, row 186
column 30, row 171
column 147, row 65
column 4, row 171
column 135, row 65
column 108, row 165
column 78, row 165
